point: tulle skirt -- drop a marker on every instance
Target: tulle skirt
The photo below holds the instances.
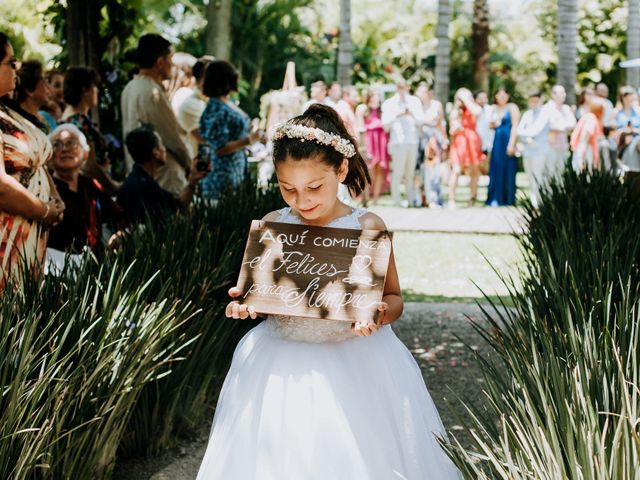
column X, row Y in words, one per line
column 351, row 410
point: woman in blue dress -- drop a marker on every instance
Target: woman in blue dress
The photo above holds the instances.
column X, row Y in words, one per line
column 226, row 128
column 503, row 164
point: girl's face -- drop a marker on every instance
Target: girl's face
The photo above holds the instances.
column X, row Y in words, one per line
column 310, row 188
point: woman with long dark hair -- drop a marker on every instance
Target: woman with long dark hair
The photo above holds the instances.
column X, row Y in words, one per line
column 29, row 203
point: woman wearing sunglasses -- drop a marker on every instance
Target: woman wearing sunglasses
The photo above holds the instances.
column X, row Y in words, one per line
column 29, row 203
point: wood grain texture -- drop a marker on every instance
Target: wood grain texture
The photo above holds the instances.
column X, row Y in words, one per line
column 314, row 272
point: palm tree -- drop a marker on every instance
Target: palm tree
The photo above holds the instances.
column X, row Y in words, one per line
column 567, row 45
column 633, row 41
column 218, row 42
column 83, row 33
column 443, row 52
column 480, row 37
column 345, row 46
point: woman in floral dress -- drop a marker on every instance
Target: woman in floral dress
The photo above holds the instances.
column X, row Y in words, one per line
column 28, row 203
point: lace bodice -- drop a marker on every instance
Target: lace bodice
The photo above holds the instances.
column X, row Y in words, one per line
column 313, row 330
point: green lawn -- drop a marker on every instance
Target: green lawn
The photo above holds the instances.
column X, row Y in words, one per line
column 444, row 267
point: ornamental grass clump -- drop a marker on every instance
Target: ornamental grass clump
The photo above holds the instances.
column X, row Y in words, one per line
column 117, row 357
column 197, row 257
column 76, row 350
column 562, row 393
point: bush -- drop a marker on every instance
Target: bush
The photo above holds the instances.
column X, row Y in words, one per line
column 119, row 356
column 565, row 382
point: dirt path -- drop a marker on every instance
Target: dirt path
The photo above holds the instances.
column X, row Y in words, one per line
column 435, row 333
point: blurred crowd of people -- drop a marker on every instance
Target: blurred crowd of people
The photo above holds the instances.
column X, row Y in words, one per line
column 415, row 145
column 183, row 132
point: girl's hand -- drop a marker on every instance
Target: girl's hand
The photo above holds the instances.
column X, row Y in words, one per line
column 237, row 310
column 364, row 329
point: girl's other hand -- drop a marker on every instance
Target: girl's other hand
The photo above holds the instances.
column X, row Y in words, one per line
column 364, row 329
column 237, row 310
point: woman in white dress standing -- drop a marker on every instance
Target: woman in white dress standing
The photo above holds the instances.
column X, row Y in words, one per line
column 309, row 399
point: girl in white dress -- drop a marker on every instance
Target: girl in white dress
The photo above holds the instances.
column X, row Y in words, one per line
column 309, row 399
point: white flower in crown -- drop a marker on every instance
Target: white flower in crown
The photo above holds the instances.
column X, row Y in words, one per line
column 289, row 130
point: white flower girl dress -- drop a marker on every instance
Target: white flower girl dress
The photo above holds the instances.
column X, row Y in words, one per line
column 306, row 399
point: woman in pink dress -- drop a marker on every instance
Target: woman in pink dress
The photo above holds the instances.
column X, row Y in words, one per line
column 466, row 145
column 374, row 140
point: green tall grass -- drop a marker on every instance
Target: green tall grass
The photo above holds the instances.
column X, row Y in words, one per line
column 562, row 394
column 117, row 357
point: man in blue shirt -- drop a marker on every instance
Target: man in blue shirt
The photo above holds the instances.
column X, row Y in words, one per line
column 140, row 194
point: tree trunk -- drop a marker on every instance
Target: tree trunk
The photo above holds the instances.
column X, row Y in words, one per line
column 83, row 33
column 567, row 41
column 443, row 52
column 219, row 29
column 633, row 41
column 480, row 38
column 345, row 46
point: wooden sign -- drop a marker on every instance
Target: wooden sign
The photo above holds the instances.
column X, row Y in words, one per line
column 314, row 272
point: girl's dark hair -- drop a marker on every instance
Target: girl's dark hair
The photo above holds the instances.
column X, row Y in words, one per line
column 325, row 118
column 4, row 42
column 29, row 75
column 76, row 81
column 220, row 79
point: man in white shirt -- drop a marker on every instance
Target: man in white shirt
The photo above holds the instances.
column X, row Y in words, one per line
column 535, row 149
column 483, row 120
column 144, row 101
column 402, row 117
column 556, row 121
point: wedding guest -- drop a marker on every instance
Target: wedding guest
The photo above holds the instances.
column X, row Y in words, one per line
column 433, row 143
column 503, row 165
column 88, row 204
column 317, row 94
column 191, row 108
column 346, row 108
column 141, row 196
column 334, row 95
column 602, row 91
column 483, row 120
column 629, row 154
column 582, row 102
column 585, row 138
column 52, row 110
column 81, row 88
column 402, row 117
column 465, row 150
column 535, row 149
column 29, row 203
column 627, row 113
column 32, row 92
column 556, row 121
column 374, row 139
column 144, row 101
column 226, row 128
column 184, row 79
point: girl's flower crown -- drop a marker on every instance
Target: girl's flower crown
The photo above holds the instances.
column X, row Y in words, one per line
column 289, row 130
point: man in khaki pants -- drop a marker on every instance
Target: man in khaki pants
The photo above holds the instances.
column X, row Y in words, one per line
column 144, row 102
column 402, row 117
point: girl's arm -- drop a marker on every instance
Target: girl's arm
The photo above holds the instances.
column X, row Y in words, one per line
column 392, row 303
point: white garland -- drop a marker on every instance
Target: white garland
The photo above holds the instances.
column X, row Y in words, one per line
column 289, row 130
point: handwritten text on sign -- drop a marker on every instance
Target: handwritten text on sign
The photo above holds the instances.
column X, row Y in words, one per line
column 315, row 272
